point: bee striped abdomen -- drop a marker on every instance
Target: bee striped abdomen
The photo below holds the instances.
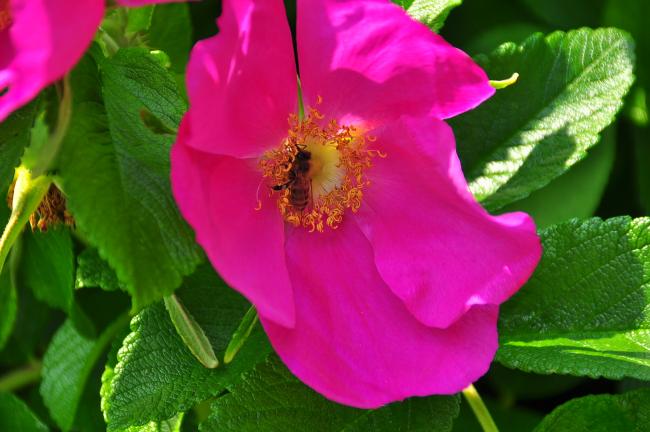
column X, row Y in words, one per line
column 300, row 193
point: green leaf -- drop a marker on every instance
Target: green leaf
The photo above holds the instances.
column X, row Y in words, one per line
column 631, row 16
column 585, row 310
column 172, row 425
column 47, row 266
column 16, row 416
column 433, row 13
column 67, row 367
column 571, row 85
column 8, row 300
column 575, row 193
column 118, row 185
column 489, row 40
column 139, row 19
column 15, row 135
column 157, row 376
column 8, row 305
column 602, row 413
column 171, row 31
column 30, row 329
column 270, row 398
column 94, row 272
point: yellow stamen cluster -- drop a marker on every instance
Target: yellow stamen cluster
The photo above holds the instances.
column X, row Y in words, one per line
column 339, row 155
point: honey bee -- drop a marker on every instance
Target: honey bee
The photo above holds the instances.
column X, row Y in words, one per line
column 299, row 183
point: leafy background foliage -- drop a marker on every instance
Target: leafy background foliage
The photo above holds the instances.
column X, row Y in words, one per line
column 86, row 343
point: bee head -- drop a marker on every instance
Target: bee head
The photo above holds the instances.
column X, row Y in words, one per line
column 303, row 155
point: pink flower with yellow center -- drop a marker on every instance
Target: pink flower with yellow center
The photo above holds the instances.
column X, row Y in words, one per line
column 41, row 40
column 375, row 273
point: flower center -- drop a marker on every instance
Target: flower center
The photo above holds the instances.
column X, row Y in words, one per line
column 318, row 171
column 5, row 14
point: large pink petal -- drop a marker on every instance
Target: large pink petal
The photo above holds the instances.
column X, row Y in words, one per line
column 217, row 196
column 434, row 245
column 355, row 342
column 45, row 40
column 242, row 83
column 370, row 61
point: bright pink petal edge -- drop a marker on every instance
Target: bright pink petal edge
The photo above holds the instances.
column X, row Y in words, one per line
column 353, row 339
column 371, row 63
column 242, row 83
column 434, row 245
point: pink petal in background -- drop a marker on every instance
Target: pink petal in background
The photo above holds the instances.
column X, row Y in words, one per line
column 44, row 41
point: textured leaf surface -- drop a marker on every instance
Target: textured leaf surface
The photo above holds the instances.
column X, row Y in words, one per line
column 16, row 416
column 629, row 412
column 93, row 271
column 47, row 266
column 118, row 183
column 157, row 376
column 15, row 134
column 570, row 87
column 172, row 425
column 632, row 15
column 67, row 366
column 433, row 13
column 270, row 398
column 575, row 193
column 586, row 309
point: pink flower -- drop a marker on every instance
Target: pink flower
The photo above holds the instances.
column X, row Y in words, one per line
column 40, row 41
column 376, row 274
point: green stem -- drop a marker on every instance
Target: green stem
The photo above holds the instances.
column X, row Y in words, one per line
column 501, row 84
column 31, row 182
column 51, row 149
column 480, row 410
column 241, row 334
column 301, row 104
column 28, row 193
column 20, row 378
